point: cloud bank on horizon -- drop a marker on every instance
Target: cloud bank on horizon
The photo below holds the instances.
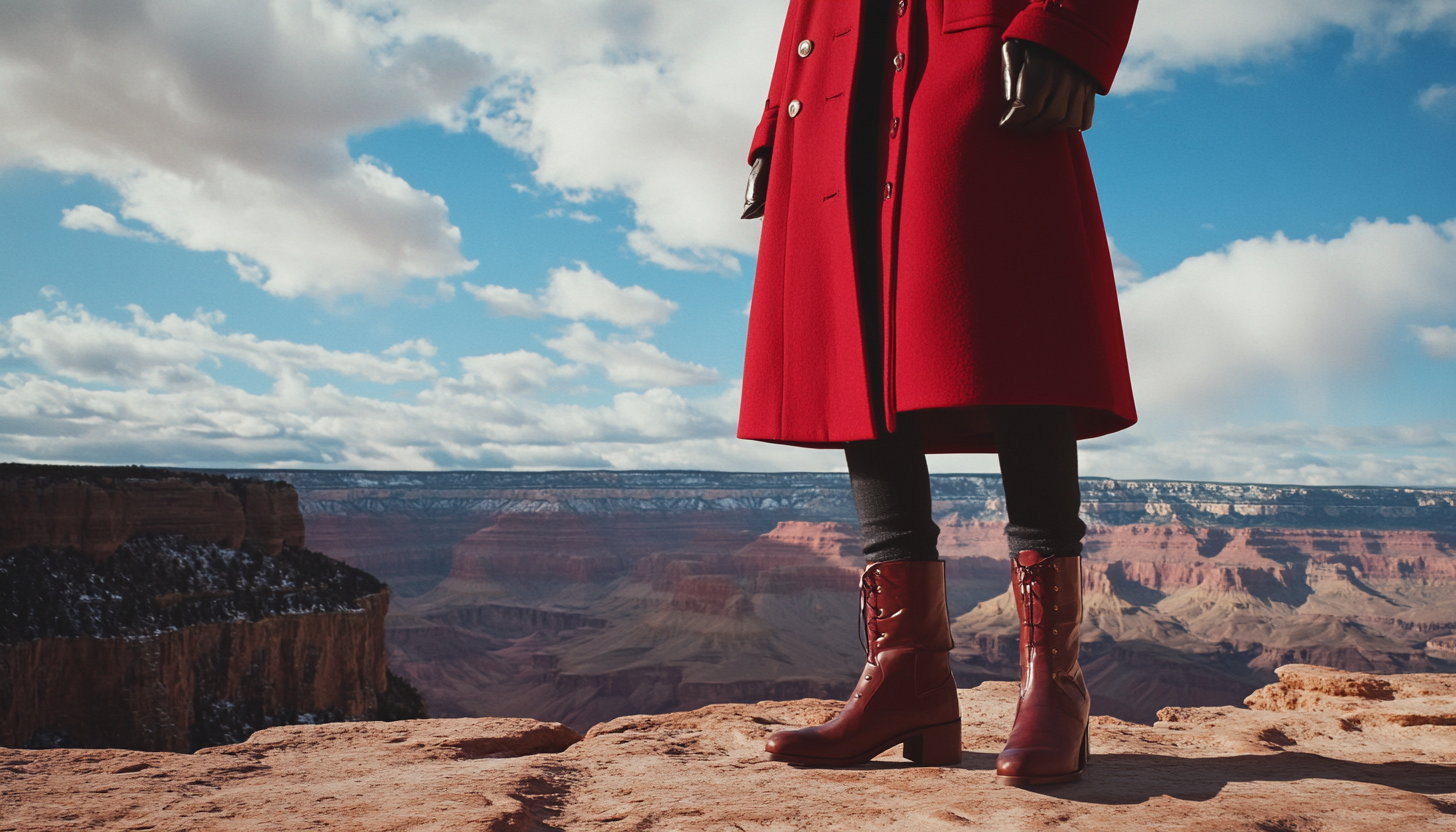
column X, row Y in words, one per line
column 229, row 128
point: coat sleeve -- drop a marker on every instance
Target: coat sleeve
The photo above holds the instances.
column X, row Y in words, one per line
column 763, row 137
column 1090, row 33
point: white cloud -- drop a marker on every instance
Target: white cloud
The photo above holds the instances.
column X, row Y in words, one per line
column 1226, row 325
column 514, row 372
column 629, row 363
column 165, row 354
column 170, row 410
column 72, row 343
column 1437, row 98
column 504, row 300
column 579, row 294
column 1171, row 36
column 418, row 346
column 653, row 100
column 91, row 218
column 1438, row 341
column 223, row 127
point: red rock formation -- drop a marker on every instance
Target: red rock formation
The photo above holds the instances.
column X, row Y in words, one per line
column 411, row 552
column 148, row 693
column 98, row 515
column 582, row 548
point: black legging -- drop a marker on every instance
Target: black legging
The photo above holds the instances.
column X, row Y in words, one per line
column 1038, row 454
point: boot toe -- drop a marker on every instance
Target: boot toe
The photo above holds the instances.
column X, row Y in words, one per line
column 792, row 743
column 1034, row 762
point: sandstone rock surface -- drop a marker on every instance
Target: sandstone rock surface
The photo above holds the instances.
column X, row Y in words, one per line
column 1197, row 769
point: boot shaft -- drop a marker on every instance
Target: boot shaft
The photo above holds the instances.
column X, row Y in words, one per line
column 1049, row 603
column 903, row 603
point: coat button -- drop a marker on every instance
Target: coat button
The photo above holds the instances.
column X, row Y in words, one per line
column 899, row 61
column 805, row 47
column 894, row 126
column 900, row 7
column 889, row 189
column 794, row 107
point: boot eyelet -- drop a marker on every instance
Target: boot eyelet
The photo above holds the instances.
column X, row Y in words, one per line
column 858, row 696
column 1054, row 649
column 1054, row 631
column 1055, row 607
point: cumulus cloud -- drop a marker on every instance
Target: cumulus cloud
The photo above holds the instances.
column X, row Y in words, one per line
column 652, row 100
column 1437, row 98
column 514, row 372
column 1438, row 341
column 419, row 346
column 91, row 218
column 629, row 363
column 578, row 294
column 1172, row 36
column 143, row 391
column 165, row 354
column 223, row 127
column 1224, row 325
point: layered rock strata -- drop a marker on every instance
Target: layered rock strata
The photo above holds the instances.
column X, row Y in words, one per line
column 95, row 510
column 1296, row 768
column 165, row 642
column 632, row 617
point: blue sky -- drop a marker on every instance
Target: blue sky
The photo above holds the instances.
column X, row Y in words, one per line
column 417, row 235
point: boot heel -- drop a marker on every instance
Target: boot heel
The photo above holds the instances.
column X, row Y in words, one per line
column 938, row 746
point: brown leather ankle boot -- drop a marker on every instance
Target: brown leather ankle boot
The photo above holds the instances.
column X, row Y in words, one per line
column 906, row 693
column 1048, row 743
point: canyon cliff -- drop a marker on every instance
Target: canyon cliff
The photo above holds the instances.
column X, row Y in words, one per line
column 171, row 611
column 1317, row 750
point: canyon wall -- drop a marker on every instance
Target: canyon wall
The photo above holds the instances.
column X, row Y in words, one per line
column 579, row 596
column 628, row 622
column 95, row 510
column 195, row 686
column 170, row 611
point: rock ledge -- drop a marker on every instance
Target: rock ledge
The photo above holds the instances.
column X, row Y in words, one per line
column 1320, row 750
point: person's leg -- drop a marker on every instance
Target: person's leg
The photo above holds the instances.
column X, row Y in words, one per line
column 891, row 487
column 1037, row 447
column 906, row 693
column 1038, row 451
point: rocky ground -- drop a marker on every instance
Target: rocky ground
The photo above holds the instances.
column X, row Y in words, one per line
column 1320, row 750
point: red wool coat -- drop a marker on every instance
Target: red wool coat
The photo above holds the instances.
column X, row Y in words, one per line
column 996, row 283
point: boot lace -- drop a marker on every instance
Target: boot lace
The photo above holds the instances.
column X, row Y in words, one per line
column 869, row 613
column 1029, row 580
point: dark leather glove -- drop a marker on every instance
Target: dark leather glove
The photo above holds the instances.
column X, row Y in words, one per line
column 757, row 193
column 1044, row 91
